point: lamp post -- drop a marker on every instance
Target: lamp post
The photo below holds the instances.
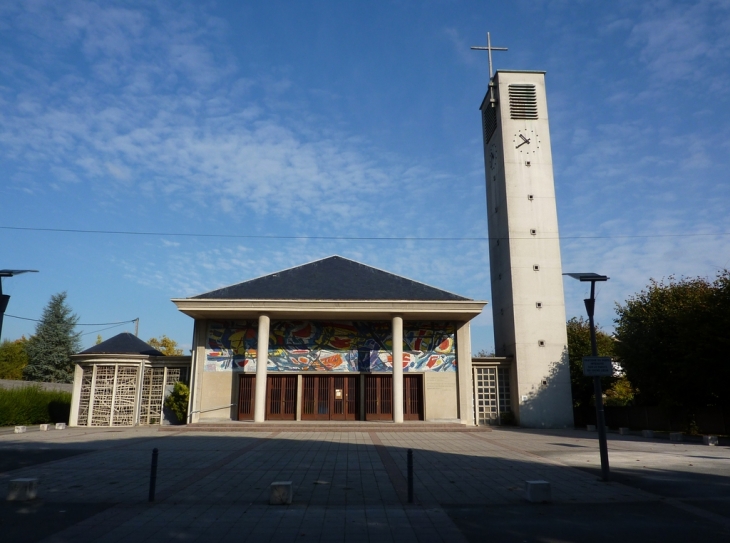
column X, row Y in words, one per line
column 600, row 414
column 4, row 298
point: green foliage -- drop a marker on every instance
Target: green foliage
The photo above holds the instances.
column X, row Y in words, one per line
column 13, row 358
column 620, row 393
column 579, row 345
column 50, row 348
column 674, row 342
column 165, row 345
column 33, row 405
column 177, row 401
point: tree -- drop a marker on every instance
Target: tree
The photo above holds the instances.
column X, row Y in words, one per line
column 674, row 343
column 98, row 339
column 621, row 392
column 50, row 348
column 165, row 345
column 13, row 358
column 485, row 353
column 579, row 345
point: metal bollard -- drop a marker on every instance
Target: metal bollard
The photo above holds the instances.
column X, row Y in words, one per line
column 153, row 475
column 410, row 475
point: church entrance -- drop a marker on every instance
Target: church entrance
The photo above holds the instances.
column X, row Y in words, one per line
column 281, row 397
column 379, row 397
column 281, row 394
column 413, row 397
column 329, row 397
column 246, row 388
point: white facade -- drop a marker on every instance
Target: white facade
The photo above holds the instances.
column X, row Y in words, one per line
column 524, row 249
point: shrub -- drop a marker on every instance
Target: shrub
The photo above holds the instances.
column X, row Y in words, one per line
column 177, row 401
column 33, row 405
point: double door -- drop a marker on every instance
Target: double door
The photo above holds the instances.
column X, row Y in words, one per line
column 379, row 397
column 329, row 397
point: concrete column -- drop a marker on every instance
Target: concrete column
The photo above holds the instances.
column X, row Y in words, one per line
column 92, row 393
column 465, row 377
column 299, row 397
column 200, row 339
column 76, row 396
column 262, row 358
column 138, row 394
column 397, row 369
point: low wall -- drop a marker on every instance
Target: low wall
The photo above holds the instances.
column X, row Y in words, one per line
column 708, row 420
column 9, row 383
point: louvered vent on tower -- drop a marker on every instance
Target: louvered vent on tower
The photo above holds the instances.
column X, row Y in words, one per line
column 522, row 102
column 489, row 122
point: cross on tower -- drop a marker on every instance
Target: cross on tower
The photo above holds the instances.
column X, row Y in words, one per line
column 489, row 48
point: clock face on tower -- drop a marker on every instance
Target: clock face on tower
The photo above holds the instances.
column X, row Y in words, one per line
column 526, row 141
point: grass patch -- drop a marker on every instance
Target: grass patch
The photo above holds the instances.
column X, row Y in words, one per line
column 33, row 405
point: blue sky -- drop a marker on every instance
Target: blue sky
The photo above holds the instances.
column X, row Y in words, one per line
column 352, row 119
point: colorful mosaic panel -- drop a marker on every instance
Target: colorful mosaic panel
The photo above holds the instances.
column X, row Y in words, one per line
column 338, row 346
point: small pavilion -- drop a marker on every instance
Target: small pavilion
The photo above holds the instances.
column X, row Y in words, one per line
column 124, row 381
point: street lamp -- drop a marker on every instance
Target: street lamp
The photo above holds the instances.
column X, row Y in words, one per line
column 596, row 367
column 4, row 298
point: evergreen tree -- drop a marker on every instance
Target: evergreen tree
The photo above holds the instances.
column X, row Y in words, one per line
column 50, row 349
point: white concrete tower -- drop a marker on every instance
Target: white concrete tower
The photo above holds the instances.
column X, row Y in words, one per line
column 524, row 248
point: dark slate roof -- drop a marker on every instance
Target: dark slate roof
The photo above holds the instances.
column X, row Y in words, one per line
column 124, row 343
column 332, row 278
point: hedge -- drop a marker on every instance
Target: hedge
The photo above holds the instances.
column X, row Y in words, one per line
column 33, row 405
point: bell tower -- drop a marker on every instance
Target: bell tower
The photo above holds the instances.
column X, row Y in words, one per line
column 528, row 304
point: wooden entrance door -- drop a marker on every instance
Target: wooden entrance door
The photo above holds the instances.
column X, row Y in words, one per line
column 413, row 397
column 329, row 397
column 246, row 388
column 344, row 397
column 281, row 395
column 378, row 397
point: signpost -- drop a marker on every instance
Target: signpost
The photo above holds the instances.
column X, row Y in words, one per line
column 596, row 366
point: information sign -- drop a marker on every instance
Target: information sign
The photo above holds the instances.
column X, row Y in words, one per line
column 597, row 366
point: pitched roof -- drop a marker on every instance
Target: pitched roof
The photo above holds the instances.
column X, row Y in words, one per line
column 124, row 343
column 332, row 278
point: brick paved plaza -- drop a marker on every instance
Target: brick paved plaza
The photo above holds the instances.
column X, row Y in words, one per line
column 351, row 486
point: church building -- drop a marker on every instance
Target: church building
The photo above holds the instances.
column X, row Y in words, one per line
column 335, row 339
column 331, row 340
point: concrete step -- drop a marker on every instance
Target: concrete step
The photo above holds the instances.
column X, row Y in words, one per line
column 324, row 426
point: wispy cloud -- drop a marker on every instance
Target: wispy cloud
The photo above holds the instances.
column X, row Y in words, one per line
column 679, row 41
column 158, row 109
